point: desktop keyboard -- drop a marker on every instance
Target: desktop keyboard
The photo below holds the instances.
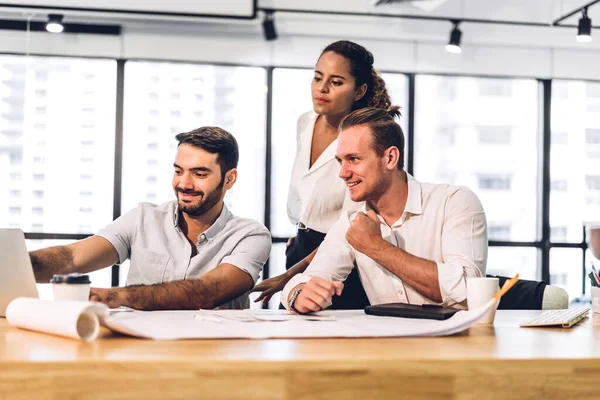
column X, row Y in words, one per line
column 565, row 318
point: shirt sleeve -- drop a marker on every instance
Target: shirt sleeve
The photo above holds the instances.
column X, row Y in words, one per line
column 333, row 262
column 251, row 253
column 121, row 232
column 464, row 245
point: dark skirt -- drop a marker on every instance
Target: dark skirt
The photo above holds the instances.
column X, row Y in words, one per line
column 353, row 296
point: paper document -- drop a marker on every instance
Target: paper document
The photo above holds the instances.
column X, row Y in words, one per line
column 74, row 319
column 254, row 324
column 81, row 320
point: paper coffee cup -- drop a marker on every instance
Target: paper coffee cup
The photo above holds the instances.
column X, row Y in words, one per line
column 479, row 292
column 72, row 287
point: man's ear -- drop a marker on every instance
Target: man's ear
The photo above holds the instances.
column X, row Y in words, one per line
column 230, row 178
column 392, row 157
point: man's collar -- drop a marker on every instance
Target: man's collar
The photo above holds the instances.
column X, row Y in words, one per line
column 414, row 201
column 214, row 229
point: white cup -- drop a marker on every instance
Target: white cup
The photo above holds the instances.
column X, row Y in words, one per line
column 73, row 287
column 479, row 292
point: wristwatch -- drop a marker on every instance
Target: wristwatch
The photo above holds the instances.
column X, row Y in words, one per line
column 293, row 297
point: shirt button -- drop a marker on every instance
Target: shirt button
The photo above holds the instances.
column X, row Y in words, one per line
column 400, row 292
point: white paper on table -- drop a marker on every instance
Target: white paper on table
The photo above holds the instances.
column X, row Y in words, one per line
column 74, row 319
column 223, row 324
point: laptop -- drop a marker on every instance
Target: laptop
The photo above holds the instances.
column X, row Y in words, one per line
column 16, row 273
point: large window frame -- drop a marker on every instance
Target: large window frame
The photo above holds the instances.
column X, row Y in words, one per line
column 543, row 245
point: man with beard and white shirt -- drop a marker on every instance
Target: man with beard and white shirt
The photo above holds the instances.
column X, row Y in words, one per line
column 188, row 253
column 412, row 242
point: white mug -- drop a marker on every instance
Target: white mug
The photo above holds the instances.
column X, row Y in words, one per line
column 479, row 292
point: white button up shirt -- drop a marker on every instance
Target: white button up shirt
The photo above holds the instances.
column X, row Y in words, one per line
column 317, row 194
column 441, row 223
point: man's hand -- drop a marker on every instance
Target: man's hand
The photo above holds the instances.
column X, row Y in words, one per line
column 316, row 295
column 271, row 286
column 364, row 233
column 110, row 297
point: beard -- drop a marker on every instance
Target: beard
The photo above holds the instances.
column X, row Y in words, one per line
column 202, row 205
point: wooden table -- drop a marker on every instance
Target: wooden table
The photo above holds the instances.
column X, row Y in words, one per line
column 486, row 362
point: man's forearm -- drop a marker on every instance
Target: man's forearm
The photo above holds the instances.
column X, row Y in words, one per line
column 419, row 273
column 178, row 295
column 50, row 261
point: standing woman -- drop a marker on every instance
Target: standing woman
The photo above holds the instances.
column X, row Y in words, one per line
column 344, row 80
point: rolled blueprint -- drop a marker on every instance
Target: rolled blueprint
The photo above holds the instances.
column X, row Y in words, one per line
column 73, row 319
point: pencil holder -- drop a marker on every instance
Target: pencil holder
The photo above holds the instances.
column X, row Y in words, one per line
column 596, row 299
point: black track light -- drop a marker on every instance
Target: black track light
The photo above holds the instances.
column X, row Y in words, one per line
column 269, row 27
column 453, row 45
column 584, row 30
column 54, row 24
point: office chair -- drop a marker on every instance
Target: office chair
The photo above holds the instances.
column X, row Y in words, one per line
column 532, row 295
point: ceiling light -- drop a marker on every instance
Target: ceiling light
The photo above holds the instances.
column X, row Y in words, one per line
column 584, row 30
column 453, row 45
column 54, row 24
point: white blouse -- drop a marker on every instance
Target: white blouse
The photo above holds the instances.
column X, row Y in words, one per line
column 317, row 194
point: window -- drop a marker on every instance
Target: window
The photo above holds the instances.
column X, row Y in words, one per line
column 233, row 88
column 558, row 233
column 566, row 265
column 559, row 185
column 291, row 98
column 38, row 177
column 494, row 134
column 592, row 182
column 16, row 158
column 14, row 211
column 15, row 193
column 508, row 261
column 499, row 232
column 52, row 111
column 499, row 177
column 152, row 146
column 573, row 161
column 495, row 87
column 494, row 182
column 592, row 136
column 592, row 90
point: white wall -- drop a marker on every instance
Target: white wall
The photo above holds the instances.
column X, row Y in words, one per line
column 398, row 44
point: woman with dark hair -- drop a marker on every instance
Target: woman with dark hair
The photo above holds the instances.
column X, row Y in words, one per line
column 344, row 80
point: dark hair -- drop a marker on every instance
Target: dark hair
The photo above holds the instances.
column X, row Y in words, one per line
column 385, row 130
column 361, row 68
column 214, row 140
